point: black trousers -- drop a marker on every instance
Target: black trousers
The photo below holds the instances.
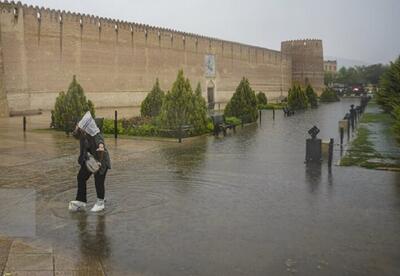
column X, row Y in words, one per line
column 83, row 176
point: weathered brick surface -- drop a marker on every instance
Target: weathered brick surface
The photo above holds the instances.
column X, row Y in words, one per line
column 307, row 61
column 117, row 62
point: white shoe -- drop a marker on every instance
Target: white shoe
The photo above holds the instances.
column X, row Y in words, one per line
column 99, row 206
column 76, row 205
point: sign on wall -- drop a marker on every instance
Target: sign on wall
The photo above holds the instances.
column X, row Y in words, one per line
column 209, row 64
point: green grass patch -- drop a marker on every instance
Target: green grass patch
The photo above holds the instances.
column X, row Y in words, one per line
column 233, row 121
column 272, row 106
column 376, row 118
column 361, row 150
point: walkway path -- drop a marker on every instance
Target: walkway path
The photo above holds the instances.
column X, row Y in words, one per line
column 245, row 204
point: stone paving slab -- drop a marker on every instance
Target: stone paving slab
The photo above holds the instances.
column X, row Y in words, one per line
column 29, row 273
column 22, row 258
column 19, row 247
column 79, row 273
column 77, row 263
column 28, row 262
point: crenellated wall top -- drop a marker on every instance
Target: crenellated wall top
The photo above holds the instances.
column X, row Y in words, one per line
column 104, row 22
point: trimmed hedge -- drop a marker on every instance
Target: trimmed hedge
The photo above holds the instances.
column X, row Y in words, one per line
column 329, row 95
column 272, row 106
column 233, row 121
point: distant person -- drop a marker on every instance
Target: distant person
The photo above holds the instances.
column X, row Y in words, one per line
column 94, row 159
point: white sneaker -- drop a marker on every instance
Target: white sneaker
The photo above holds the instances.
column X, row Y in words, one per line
column 99, row 206
column 76, row 205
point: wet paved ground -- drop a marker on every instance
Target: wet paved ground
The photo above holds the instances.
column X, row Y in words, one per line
column 241, row 205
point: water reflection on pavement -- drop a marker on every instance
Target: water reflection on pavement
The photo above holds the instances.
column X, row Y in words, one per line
column 245, row 204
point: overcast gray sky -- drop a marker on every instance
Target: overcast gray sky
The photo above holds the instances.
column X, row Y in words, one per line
column 365, row 30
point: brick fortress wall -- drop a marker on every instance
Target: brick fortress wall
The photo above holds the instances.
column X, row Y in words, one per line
column 307, row 62
column 117, row 62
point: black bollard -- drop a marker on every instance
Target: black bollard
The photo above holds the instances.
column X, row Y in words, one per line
column 116, row 124
column 341, row 136
column 273, row 113
column 260, row 115
column 352, row 117
column 24, row 123
column 180, row 134
column 330, row 152
column 348, row 128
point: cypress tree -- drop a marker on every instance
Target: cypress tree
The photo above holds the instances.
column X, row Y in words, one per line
column 261, row 98
column 311, row 96
column 178, row 104
column 151, row 105
column 70, row 107
column 243, row 103
column 199, row 115
column 297, row 98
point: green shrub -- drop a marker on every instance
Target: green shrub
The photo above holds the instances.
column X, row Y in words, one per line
column 183, row 107
column 272, row 106
column 151, row 105
column 198, row 117
column 70, row 107
column 311, row 96
column 388, row 95
column 143, row 130
column 108, row 126
column 261, row 98
column 210, row 125
column 297, row 98
column 329, row 95
column 243, row 103
column 233, row 121
column 146, row 129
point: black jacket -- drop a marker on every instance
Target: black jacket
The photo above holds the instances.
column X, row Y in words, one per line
column 91, row 144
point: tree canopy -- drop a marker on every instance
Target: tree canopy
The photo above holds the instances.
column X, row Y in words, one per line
column 151, row 105
column 261, row 98
column 183, row 107
column 329, row 95
column 389, row 93
column 70, row 107
column 357, row 75
column 243, row 103
column 311, row 96
column 297, row 98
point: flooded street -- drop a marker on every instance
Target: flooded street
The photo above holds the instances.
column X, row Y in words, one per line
column 245, row 204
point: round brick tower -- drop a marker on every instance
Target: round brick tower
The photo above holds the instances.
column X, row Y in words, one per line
column 307, row 62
